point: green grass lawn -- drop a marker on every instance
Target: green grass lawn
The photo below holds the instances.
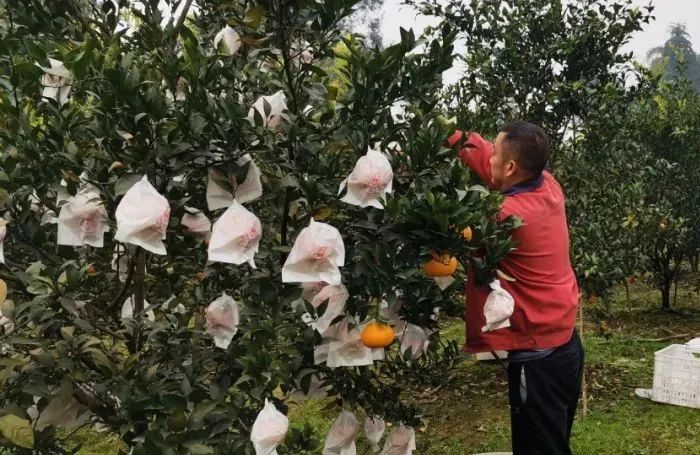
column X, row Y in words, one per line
column 470, row 414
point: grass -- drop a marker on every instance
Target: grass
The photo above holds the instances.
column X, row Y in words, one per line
column 94, row 443
column 470, row 415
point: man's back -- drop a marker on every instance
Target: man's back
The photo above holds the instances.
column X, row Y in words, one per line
column 545, row 290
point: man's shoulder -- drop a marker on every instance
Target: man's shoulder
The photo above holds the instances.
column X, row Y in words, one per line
column 530, row 204
column 549, row 179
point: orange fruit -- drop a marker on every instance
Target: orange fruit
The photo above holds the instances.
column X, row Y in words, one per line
column 444, row 265
column 91, row 270
column 377, row 335
column 467, row 234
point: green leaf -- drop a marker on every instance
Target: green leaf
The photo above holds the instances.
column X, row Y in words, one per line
column 258, row 119
column 28, row 70
column 138, row 117
column 17, row 430
column 200, row 412
column 332, row 92
column 36, row 52
column 67, row 332
column 289, row 181
column 430, row 198
column 23, row 341
column 100, row 358
column 151, row 372
column 200, row 449
column 197, row 123
column 124, row 183
column 267, row 108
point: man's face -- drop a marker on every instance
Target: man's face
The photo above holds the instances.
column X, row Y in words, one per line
column 502, row 166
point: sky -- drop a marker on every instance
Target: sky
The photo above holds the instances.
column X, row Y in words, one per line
column 667, row 12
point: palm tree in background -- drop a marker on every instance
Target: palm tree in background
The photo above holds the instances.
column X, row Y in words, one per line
column 676, row 57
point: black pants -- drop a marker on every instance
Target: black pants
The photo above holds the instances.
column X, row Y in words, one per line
column 543, row 396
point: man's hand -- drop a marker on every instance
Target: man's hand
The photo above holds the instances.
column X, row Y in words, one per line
column 473, row 151
column 457, row 140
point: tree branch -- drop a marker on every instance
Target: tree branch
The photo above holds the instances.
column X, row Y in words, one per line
column 668, row 338
column 91, row 403
column 12, row 62
column 122, row 293
column 139, row 296
column 10, row 277
column 86, row 25
column 182, row 18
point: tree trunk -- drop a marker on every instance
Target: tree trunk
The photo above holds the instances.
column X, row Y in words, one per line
column 694, row 262
column 138, row 298
column 675, row 291
column 666, row 295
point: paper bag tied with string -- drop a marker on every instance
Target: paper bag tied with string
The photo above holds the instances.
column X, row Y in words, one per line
column 142, row 217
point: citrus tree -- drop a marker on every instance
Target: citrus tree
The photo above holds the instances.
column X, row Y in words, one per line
column 665, row 128
column 539, row 60
column 633, row 153
column 602, row 176
column 180, row 264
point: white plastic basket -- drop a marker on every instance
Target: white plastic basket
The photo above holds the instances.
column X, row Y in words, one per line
column 677, row 376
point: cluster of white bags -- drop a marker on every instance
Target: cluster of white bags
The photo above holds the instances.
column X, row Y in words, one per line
column 318, row 253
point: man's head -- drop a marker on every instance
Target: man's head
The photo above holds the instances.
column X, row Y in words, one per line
column 521, row 152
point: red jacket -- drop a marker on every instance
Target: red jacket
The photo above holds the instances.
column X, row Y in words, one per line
column 545, row 291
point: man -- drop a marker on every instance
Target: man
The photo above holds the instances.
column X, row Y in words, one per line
column 545, row 353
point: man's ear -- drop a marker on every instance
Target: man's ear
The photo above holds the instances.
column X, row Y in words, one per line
column 511, row 168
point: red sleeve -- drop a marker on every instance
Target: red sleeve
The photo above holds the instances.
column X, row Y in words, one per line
column 475, row 152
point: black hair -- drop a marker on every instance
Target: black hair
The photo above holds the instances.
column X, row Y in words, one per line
column 527, row 145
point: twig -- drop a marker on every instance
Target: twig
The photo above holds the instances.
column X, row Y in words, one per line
column 91, row 403
column 10, row 277
column 584, row 384
column 182, row 18
column 139, row 295
column 83, row 22
column 668, row 338
column 430, row 392
column 178, row 25
column 112, row 333
column 285, row 221
column 675, row 291
column 501, row 362
column 12, row 63
column 125, row 286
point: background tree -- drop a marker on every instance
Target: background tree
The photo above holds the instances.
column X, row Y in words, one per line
column 676, row 58
column 665, row 128
column 559, row 65
column 542, row 60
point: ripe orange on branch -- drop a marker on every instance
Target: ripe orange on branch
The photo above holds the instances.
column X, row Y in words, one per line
column 442, row 265
column 377, row 335
column 467, row 234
